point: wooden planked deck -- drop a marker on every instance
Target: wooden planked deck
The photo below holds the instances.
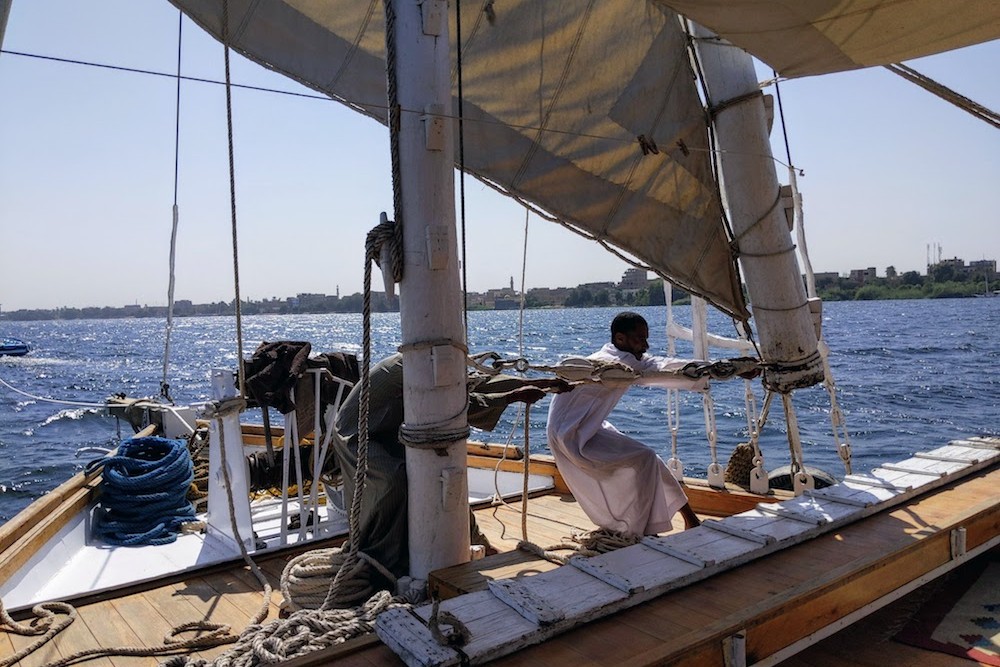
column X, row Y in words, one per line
column 775, row 600
column 142, row 618
column 790, row 594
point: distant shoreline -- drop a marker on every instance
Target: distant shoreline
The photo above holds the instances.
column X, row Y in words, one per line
column 584, row 296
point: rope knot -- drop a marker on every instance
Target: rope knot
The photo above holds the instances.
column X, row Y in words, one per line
column 458, row 635
column 387, row 233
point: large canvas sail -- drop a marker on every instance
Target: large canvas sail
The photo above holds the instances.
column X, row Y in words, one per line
column 586, row 110
column 806, row 37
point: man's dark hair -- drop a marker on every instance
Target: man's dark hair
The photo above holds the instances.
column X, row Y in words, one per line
column 627, row 322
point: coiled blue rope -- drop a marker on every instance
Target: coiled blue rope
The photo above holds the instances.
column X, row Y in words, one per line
column 144, row 492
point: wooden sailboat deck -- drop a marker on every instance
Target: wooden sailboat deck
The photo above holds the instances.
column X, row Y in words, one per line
column 776, row 601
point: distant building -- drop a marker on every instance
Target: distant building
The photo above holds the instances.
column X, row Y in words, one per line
column 987, row 267
column 546, row 296
column 634, row 279
column 503, row 296
column 862, row 276
column 597, row 286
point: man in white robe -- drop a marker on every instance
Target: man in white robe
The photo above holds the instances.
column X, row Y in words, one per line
column 619, row 482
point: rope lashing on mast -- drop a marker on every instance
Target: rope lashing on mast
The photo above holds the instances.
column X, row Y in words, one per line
column 437, row 435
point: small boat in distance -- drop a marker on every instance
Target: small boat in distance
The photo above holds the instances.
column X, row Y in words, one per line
column 13, row 347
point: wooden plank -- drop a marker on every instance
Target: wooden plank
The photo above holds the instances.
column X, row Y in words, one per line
column 6, row 648
column 43, row 655
column 599, row 569
column 877, row 482
column 771, row 533
column 364, row 651
column 709, row 546
column 572, row 591
column 950, row 458
column 475, row 576
column 252, row 596
column 148, row 625
column 960, row 449
column 194, row 601
column 978, row 442
column 798, row 620
column 522, row 600
column 494, row 450
column 611, row 642
column 562, row 508
column 559, row 653
column 75, row 638
column 713, row 502
column 639, row 568
column 411, row 641
column 494, row 627
column 245, row 597
column 745, row 526
column 811, row 509
column 686, row 556
column 109, row 629
column 790, row 576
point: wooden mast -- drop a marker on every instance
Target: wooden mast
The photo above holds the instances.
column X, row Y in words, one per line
column 767, row 252
column 433, row 336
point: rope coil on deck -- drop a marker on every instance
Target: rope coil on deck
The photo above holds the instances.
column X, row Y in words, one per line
column 144, row 492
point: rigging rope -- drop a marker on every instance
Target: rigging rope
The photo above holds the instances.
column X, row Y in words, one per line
column 461, row 165
column 164, row 386
column 841, row 437
column 962, row 102
column 241, row 371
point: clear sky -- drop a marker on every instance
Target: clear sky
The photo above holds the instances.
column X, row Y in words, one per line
column 87, row 164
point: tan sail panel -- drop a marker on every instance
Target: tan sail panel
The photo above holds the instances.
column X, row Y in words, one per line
column 555, row 102
column 806, row 37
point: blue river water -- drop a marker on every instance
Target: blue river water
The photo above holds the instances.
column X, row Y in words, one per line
column 910, row 375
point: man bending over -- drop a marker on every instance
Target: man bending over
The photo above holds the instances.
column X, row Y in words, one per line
column 619, row 482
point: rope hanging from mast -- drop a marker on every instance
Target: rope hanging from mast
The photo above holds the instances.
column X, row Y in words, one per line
column 164, row 385
column 241, row 373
